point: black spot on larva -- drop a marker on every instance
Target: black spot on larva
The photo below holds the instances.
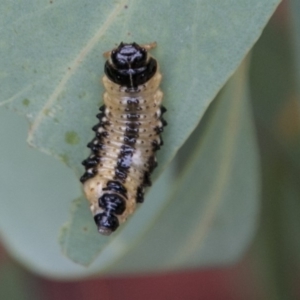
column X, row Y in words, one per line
column 102, row 134
column 132, row 131
column 116, row 186
column 101, row 124
column 95, row 145
column 132, row 117
column 100, row 115
column 102, row 108
column 121, row 174
column 90, row 173
column 132, row 127
column 126, row 150
column 106, row 223
column 129, row 140
column 152, row 163
column 140, row 195
column 96, row 127
column 85, row 177
column 133, row 102
column 124, row 161
column 164, row 122
column 112, row 203
column 163, row 110
column 159, row 129
column 147, row 181
column 160, row 126
column 91, row 161
column 132, row 124
column 130, row 66
column 155, row 145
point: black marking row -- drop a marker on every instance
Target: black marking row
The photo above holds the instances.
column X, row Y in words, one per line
column 113, row 200
column 129, row 67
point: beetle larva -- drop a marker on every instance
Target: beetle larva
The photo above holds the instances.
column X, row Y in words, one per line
column 127, row 136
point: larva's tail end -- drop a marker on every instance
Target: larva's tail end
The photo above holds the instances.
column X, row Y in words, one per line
column 106, row 223
column 104, row 231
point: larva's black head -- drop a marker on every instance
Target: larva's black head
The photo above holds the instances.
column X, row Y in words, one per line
column 128, row 56
column 106, row 222
column 129, row 65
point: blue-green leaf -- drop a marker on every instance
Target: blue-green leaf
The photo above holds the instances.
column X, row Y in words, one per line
column 50, row 68
column 201, row 211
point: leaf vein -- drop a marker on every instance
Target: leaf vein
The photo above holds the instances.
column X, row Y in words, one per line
column 71, row 70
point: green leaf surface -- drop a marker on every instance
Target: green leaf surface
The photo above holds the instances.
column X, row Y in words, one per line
column 52, row 61
column 50, row 68
column 217, row 169
column 208, row 212
column 36, row 192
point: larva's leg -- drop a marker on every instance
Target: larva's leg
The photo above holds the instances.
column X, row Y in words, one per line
column 106, row 54
column 149, row 46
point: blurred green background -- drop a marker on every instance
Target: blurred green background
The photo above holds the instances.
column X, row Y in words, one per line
column 270, row 268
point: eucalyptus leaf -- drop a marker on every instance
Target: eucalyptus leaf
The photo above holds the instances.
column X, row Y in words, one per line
column 52, row 61
column 50, row 68
column 211, row 211
column 201, row 211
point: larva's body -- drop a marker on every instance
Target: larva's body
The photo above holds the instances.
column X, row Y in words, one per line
column 127, row 136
